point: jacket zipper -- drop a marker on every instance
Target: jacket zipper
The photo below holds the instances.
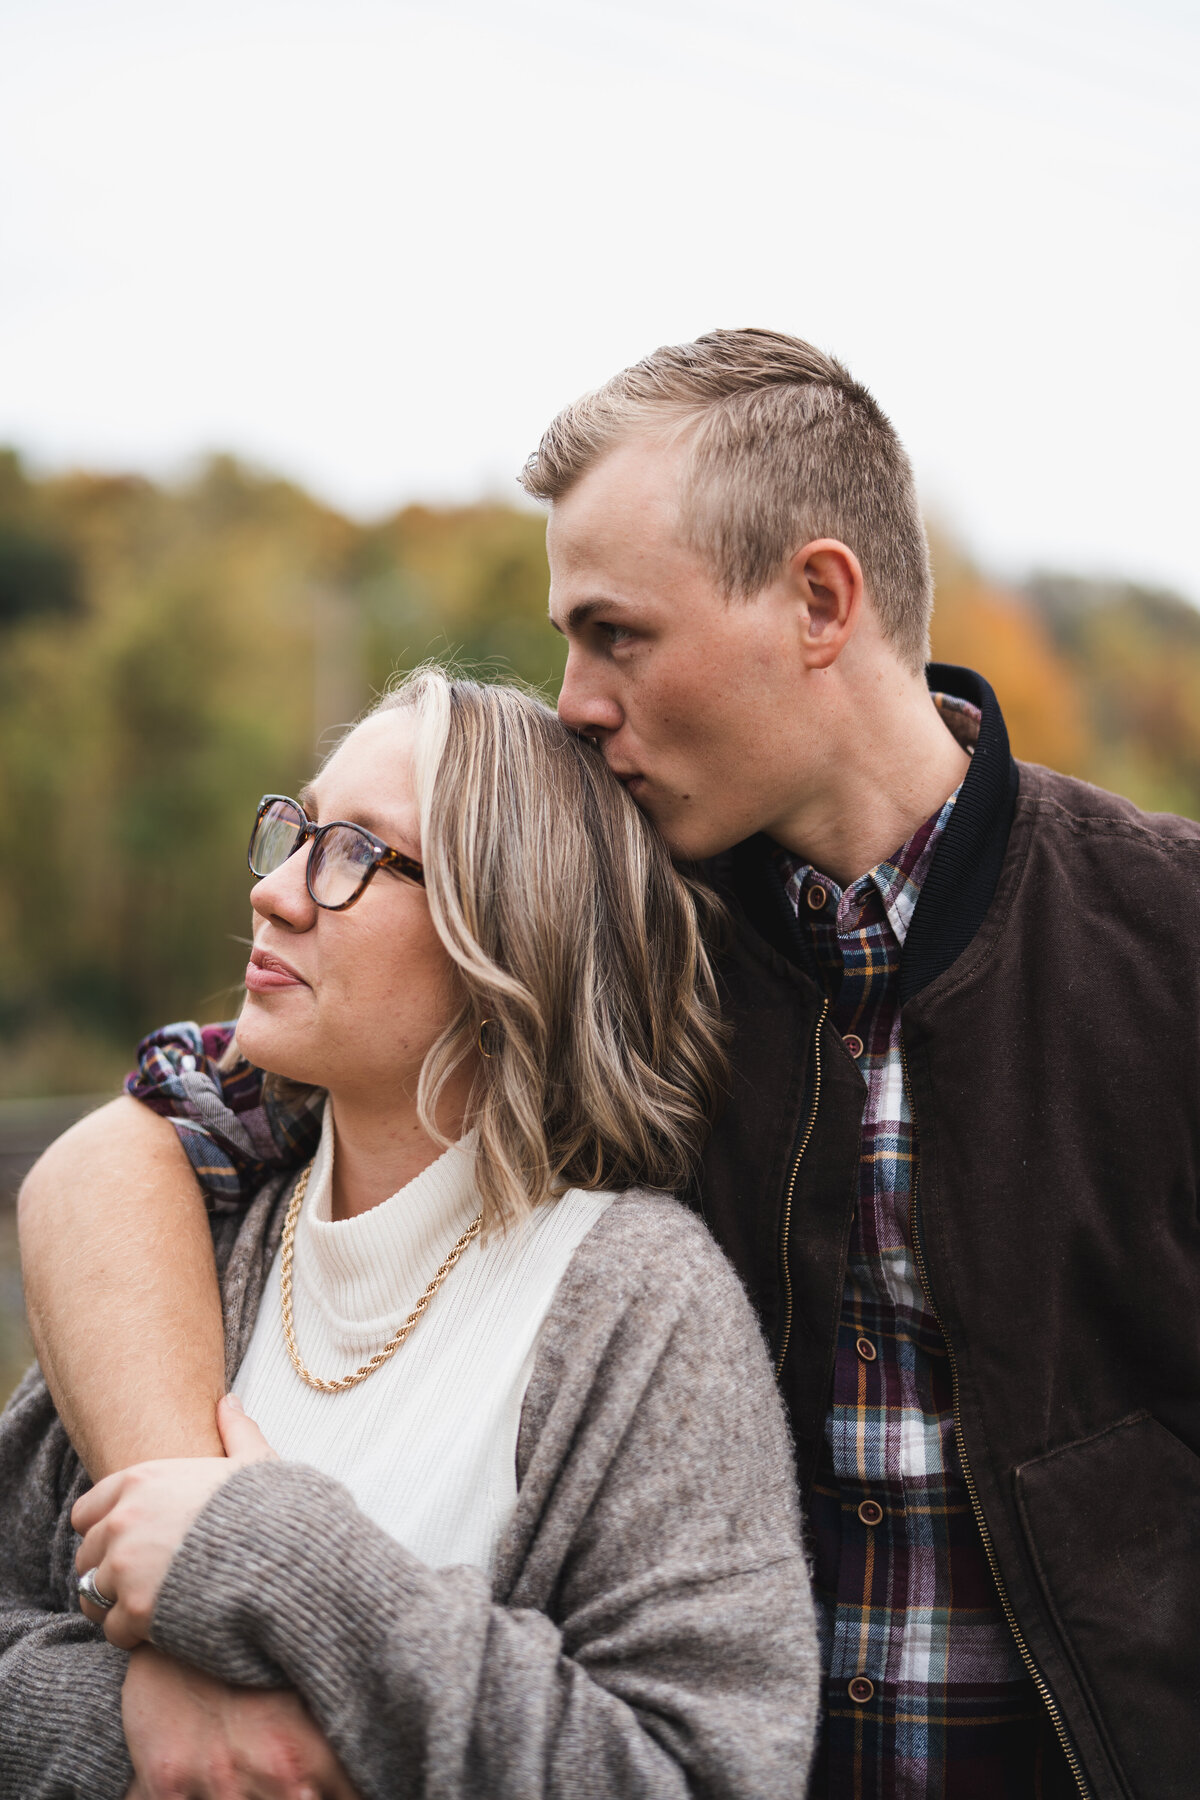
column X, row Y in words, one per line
column 791, row 1191
column 1039, row 1681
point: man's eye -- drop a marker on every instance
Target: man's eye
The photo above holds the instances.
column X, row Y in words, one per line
column 614, row 634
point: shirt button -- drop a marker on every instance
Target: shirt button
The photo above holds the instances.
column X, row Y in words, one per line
column 861, row 1690
column 870, row 1512
column 817, row 896
column 853, row 1044
column 866, row 1349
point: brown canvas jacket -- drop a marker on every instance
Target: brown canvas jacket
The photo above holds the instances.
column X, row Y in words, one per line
column 1050, row 989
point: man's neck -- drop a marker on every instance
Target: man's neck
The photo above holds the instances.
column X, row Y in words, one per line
column 893, row 767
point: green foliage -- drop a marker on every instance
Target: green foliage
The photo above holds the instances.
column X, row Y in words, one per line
column 217, row 634
column 1136, row 653
column 169, row 654
column 37, row 576
column 1099, row 679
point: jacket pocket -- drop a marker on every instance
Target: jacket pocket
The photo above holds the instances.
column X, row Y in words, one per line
column 1113, row 1526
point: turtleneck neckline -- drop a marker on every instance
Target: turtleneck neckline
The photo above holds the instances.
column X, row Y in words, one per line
column 367, row 1273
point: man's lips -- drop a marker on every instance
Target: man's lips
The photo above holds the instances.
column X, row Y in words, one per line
column 265, row 972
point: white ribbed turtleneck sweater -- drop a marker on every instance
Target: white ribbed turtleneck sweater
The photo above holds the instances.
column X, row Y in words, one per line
column 427, row 1444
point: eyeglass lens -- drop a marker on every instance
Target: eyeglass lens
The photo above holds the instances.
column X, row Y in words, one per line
column 275, row 836
column 338, row 864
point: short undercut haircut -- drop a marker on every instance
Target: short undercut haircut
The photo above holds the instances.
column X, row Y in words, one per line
column 785, row 447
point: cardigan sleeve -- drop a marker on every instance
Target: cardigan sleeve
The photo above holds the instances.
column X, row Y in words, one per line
column 60, row 1680
column 656, row 1638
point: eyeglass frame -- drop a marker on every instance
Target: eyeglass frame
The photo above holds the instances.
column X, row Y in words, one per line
column 383, row 856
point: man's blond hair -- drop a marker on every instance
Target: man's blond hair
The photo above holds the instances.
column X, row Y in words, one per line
column 784, row 447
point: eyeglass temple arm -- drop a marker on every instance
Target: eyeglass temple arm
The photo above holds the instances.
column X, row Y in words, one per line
column 396, row 859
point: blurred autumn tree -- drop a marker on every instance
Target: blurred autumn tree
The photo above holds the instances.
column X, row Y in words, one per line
column 1099, row 679
column 1001, row 633
column 168, row 654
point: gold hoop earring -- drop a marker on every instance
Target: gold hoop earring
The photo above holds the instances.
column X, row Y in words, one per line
column 482, row 1050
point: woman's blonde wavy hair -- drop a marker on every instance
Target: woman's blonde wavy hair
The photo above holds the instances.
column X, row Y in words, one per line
column 574, row 938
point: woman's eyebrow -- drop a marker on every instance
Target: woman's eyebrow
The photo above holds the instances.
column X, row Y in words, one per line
column 400, row 838
column 363, row 816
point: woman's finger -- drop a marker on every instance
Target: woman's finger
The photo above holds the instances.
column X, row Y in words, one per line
column 115, row 1621
column 119, row 1625
column 92, row 1506
column 243, row 1440
column 94, row 1548
column 90, row 1610
column 120, row 1629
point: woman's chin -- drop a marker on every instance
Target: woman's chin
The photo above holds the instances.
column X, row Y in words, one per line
column 274, row 1050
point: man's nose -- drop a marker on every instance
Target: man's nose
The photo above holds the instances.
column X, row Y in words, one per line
column 583, row 704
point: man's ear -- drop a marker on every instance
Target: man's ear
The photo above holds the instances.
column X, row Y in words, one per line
column 828, row 582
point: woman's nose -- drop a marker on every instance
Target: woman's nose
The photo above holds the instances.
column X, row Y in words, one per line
column 283, row 895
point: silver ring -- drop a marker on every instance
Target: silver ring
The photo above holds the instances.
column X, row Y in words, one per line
column 86, row 1585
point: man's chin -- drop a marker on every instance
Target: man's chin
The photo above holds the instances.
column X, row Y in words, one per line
column 690, row 835
column 695, row 840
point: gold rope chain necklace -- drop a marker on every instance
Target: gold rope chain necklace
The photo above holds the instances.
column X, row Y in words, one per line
column 398, row 1337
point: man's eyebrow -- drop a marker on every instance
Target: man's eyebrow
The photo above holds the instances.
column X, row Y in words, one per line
column 582, row 612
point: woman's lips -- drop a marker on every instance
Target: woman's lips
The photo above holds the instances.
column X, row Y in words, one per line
column 265, row 973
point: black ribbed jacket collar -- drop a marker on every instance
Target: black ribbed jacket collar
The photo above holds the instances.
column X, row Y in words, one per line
column 962, row 876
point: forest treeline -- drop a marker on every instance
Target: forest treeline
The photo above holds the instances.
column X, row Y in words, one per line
column 167, row 654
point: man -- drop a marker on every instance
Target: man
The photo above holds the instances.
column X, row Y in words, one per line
column 958, row 1169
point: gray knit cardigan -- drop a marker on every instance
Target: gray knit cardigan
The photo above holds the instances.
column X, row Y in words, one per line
column 648, row 1632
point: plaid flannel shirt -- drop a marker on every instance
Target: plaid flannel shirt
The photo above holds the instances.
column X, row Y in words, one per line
column 926, row 1695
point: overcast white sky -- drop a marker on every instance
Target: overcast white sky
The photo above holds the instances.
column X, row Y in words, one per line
column 375, row 244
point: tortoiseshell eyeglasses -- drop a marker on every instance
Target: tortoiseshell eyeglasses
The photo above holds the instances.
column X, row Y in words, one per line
column 342, row 859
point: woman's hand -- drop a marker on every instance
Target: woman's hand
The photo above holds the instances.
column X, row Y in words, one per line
column 189, row 1734
column 133, row 1522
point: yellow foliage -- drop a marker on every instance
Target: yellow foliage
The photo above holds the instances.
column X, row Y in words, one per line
column 997, row 632
column 167, row 655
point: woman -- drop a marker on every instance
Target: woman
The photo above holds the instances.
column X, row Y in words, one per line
column 519, row 1519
